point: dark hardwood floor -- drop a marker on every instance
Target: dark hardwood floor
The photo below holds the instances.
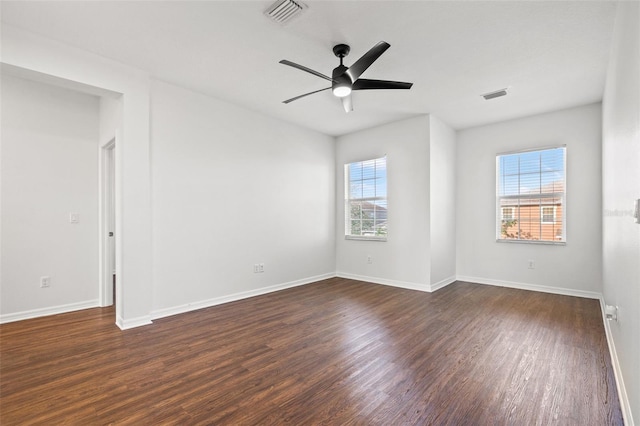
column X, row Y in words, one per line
column 334, row 352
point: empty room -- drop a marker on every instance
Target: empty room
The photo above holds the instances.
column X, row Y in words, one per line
column 320, row 212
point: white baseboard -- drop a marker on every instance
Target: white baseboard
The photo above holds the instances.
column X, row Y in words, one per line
column 188, row 307
column 384, row 281
column 622, row 390
column 443, row 283
column 532, row 287
column 53, row 310
column 126, row 324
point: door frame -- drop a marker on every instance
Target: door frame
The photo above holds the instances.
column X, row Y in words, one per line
column 108, row 262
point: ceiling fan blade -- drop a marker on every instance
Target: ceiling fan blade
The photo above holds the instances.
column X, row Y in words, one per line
column 347, row 103
column 303, row 68
column 367, row 59
column 364, row 84
column 306, row 94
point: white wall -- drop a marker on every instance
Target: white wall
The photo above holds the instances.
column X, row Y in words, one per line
column 110, row 118
column 36, row 54
column 442, row 141
column 621, row 186
column 403, row 259
column 49, row 170
column 575, row 268
column 232, row 188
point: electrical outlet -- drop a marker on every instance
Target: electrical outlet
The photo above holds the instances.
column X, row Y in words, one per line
column 369, row 259
column 45, row 282
column 532, row 264
column 261, row 267
column 74, row 218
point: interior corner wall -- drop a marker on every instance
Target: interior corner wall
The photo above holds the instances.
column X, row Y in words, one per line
column 233, row 188
column 402, row 260
column 443, row 202
column 621, row 187
column 574, row 268
column 49, row 170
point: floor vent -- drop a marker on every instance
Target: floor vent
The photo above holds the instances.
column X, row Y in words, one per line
column 283, row 11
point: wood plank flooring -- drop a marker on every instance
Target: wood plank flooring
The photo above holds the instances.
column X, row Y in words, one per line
column 336, row 352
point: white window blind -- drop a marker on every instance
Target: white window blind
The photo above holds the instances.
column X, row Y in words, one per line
column 530, row 196
column 366, row 199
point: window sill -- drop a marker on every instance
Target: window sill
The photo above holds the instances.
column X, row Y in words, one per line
column 547, row 243
column 361, row 238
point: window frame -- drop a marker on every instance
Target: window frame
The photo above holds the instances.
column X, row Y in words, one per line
column 542, row 215
column 349, row 200
column 561, row 195
column 502, row 216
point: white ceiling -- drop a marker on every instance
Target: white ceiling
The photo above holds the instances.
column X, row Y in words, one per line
column 551, row 54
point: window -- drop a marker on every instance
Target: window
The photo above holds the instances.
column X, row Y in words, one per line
column 507, row 213
column 530, row 196
column 548, row 214
column 366, row 199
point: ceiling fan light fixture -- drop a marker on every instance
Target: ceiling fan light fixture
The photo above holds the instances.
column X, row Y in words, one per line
column 341, row 90
column 341, row 86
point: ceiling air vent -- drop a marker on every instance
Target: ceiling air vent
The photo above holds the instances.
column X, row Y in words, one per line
column 496, row 94
column 283, row 11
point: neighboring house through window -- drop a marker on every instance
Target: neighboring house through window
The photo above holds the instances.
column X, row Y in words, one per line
column 530, row 196
column 366, row 199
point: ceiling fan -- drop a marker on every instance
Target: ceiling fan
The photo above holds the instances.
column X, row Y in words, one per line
column 345, row 79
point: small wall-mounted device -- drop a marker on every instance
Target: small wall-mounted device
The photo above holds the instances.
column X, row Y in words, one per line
column 45, row 282
column 611, row 312
column 636, row 211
